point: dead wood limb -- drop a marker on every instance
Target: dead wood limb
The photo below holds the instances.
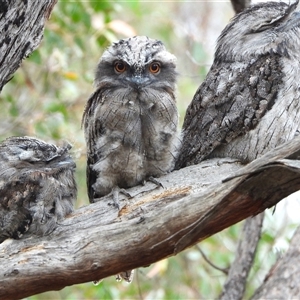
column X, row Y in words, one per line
column 196, row 203
column 21, row 26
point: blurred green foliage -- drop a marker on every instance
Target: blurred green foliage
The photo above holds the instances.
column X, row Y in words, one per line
column 46, row 98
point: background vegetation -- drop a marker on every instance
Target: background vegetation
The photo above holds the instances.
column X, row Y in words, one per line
column 46, row 98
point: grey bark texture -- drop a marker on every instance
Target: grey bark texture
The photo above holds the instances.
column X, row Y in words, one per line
column 235, row 284
column 197, row 202
column 21, row 27
column 283, row 281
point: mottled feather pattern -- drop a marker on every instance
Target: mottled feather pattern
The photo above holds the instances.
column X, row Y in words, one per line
column 251, row 90
column 37, row 186
column 130, row 121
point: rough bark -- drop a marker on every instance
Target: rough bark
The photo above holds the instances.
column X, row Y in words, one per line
column 21, row 27
column 197, row 202
column 283, row 280
column 235, row 284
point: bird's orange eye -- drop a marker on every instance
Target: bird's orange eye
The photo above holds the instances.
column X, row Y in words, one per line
column 120, row 67
column 154, row 68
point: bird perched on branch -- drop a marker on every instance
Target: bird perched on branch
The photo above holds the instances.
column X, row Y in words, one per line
column 37, row 186
column 249, row 102
column 130, row 121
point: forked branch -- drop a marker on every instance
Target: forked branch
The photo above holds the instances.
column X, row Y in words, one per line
column 196, row 202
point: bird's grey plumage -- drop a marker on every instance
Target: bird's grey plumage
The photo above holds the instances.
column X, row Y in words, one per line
column 37, row 186
column 130, row 121
column 249, row 101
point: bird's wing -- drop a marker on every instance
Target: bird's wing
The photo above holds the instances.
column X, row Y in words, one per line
column 93, row 129
column 15, row 216
column 15, row 191
column 230, row 102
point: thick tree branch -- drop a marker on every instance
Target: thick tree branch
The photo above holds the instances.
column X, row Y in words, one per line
column 196, row 202
column 21, row 26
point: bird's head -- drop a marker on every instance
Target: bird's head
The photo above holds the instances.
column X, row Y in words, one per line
column 266, row 28
column 136, row 62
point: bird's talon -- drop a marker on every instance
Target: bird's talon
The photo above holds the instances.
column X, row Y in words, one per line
column 125, row 193
column 155, row 181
